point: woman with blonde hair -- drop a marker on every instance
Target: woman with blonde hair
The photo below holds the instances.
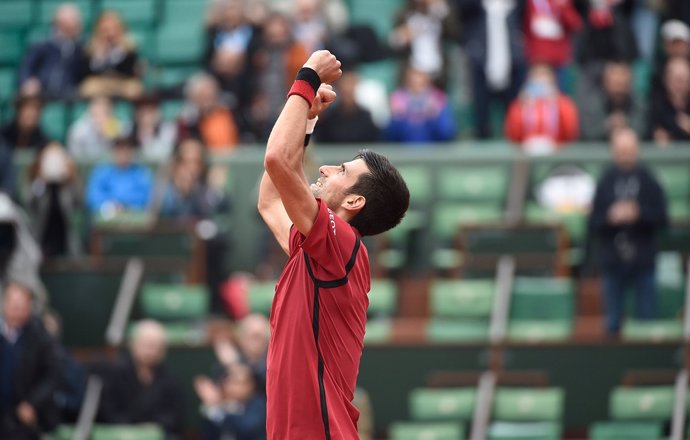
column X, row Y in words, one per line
column 111, row 62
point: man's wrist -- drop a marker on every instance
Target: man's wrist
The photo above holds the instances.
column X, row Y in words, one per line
column 306, row 85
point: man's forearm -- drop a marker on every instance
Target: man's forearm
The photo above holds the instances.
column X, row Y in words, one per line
column 286, row 142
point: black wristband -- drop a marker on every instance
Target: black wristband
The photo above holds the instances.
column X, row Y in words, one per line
column 309, row 75
column 307, row 138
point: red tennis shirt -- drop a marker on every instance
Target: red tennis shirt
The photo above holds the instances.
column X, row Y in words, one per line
column 317, row 331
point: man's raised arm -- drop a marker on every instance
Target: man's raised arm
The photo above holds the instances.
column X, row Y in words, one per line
column 284, row 195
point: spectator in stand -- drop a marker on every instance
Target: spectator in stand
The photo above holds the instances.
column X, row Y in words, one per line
column 122, row 185
column 111, row 62
column 675, row 37
column 420, row 31
column 20, row 255
column 193, row 193
column 24, row 130
column 230, row 45
column 91, row 136
column 419, row 111
column 496, row 58
column 607, row 37
column 139, row 388
column 628, row 212
column 154, row 136
column 29, row 369
column 71, row 385
column 670, row 113
column 276, row 63
column 549, row 26
column 51, row 68
column 311, row 28
column 542, row 118
column 347, row 121
column 232, row 408
column 8, row 183
column 615, row 106
column 206, row 116
column 55, row 196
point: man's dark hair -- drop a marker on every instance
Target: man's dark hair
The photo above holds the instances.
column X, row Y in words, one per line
column 386, row 194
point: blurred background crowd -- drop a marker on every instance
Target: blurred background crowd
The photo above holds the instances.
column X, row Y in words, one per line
column 120, row 117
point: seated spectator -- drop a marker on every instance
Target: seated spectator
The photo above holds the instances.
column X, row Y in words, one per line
column 233, row 408
column 55, row 197
column 419, row 111
column 139, row 388
column 541, row 119
column 110, row 66
column 420, row 30
column 347, row 121
column 253, row 334
column 8, row 183
column 123, row 185
column 615, row 106
column 675, row 38
column 91, row 136
column 29, row 369
column 549, row 26
column 628, row 212
column 20, row 255
column 231, row 40
column 192, row 193
column 51, row 68
column 277, row 60
column 153, row 135
column 71, row 385
column 310, row 24
column 205, row 116
column 670, row 113
column 24, row 130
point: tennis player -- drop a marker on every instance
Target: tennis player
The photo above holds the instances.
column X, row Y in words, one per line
column 319, row 310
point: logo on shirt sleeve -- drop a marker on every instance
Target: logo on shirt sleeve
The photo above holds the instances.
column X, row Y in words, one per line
column 331, row 220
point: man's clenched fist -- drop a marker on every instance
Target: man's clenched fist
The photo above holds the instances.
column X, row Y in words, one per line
column 325, row 64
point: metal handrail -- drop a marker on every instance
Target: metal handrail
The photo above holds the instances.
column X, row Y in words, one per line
column 89, row 409
column 482, row 409
column 134, row 272
column 505, row 274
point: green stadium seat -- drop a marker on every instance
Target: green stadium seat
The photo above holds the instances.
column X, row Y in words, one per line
column 171, row 76
column 462, row 298
column 671, row 285
column 120, row 244
column 8, row 84
column 658, row 330
column 378, row 14
column 47, row 11
column 539, row 330
column 174, row 301
column 385, row 72
column 123, row 110
column 482, row 184
column 133, row 12
column 63, row 432
column 528, row 404
column 437, row 404
column 183, row 12
column 378, row 330
column 143, row 36
column 260, row 296
column 54, row 120
column 675, row 179
column 426, row 431
column 179, row 45
column 16, row 13
column 449, row 217
column 383, row 298
column 625, row 431
column 12, row 47
column 184, row 333
column 418, row 179
column 524, row 431
column 542, row 299
column 649, row 403
column 575, row 223
column 170, row 110
column 147, row 243
column 445, row 330
column 127, row 432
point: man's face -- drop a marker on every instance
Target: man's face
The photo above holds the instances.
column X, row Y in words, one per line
column 336, row 180
column 617, row 79
column 17, row 306
column 123, row 155
column 148, row 349
column 625, row 150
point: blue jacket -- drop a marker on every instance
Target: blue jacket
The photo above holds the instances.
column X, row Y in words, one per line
column 250, row 424
column 424, row 118
column 130, row 187
column 55, row 64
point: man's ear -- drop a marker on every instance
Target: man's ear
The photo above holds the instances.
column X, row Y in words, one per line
column 353, row 203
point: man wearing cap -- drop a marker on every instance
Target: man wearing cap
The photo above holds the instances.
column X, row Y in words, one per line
column 675, row 42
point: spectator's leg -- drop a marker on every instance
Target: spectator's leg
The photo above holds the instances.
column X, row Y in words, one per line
column 646, row 295
column 614, row 300
column 480, row 97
